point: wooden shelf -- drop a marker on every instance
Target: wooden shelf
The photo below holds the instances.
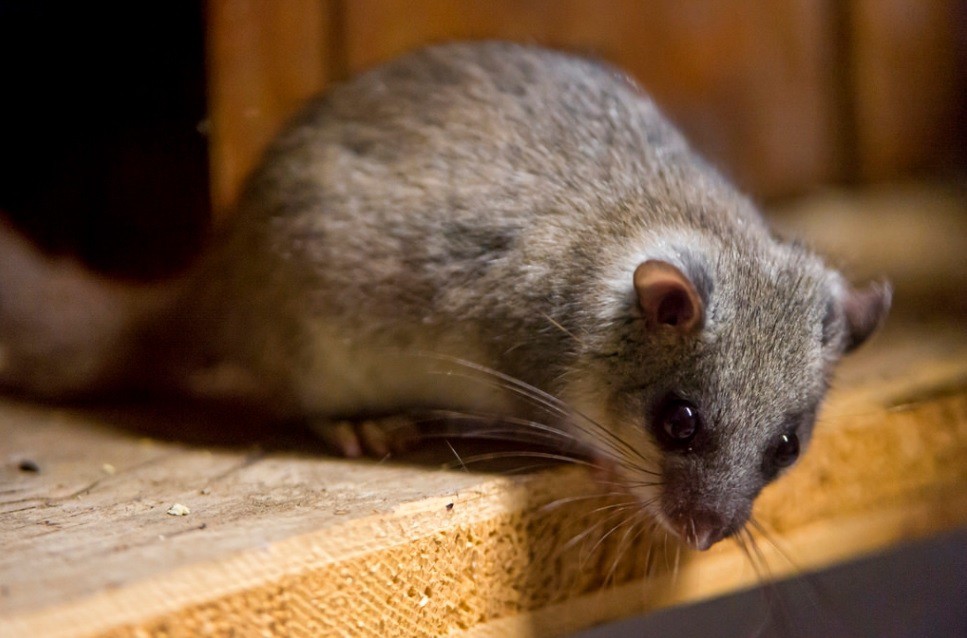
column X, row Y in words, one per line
column 283, row 541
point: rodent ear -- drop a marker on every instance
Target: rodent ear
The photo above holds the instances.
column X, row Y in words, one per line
column 668, row 297
column 864, row 310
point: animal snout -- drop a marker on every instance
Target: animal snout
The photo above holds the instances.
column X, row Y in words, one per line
column 703, row 528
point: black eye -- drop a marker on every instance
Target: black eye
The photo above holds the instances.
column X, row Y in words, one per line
column 677, row 422
column 787, row 451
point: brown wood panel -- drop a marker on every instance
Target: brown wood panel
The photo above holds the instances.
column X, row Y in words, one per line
column 264, row 59
column 749, row 81
column 783, row 96
column 909, row 93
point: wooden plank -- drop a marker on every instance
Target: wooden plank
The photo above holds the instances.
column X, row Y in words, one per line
column 750, row 82
column 910, row 89
column 915, row 233
column 784, row 97
column 295, row 545
column 264, row 60
column 282, row 541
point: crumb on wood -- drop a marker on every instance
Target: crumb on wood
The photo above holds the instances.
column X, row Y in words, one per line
column 179, row 510
column 109, row 469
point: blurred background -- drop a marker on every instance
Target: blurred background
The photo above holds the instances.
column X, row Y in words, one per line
column 128, row 127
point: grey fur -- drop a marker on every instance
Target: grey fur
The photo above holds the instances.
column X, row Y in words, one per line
column 490, row 202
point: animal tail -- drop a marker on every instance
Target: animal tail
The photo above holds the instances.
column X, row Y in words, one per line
column 65, row 332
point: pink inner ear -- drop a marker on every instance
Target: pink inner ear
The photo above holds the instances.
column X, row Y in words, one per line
column 674, row 309
column 667, row 297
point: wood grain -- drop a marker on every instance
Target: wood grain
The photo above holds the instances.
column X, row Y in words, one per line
column 282, row 541
column 783, row 97
column 290, row 544
column 910, row 95
column 264, row 60
column 750, row 82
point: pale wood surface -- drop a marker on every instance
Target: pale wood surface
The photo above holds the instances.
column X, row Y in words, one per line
column 283, row 541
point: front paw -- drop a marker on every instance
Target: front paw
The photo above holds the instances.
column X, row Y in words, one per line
column 377, row 438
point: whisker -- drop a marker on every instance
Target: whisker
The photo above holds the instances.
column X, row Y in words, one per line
column 770, row 590
column 604, row 537
column 577, row 538
column 537, row 396
column 493, row 456
column 664, row 551
column 619, row 448
column 452, row 449
column 742, row 542
column 562, row 328
column 764, row 533
column 817, row 592
column 754, row 545
column 641, row 527
column 745, row 539
column 525, row 423
column 508, row 436
column 566, row 500
column 627, row 485
column 532, row 432
column 543, row 433
column 618, row 510
column 678, row 555
column 649, row 561
column 523, row 469
column 503, row 382
column 625, row 504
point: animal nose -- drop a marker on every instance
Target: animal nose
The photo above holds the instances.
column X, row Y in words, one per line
column 703, row 528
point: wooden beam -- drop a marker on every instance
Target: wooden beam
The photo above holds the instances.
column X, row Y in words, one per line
column 749, row 82
column 264, row 60
column 282, row 541
column 909, row 85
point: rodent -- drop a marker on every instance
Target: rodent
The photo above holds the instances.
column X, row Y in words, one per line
column 522, row 210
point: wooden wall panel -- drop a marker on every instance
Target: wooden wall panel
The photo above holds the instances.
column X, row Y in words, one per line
column 784, row 97
column 909, row 92
column 749, row 81
column 264, row 59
